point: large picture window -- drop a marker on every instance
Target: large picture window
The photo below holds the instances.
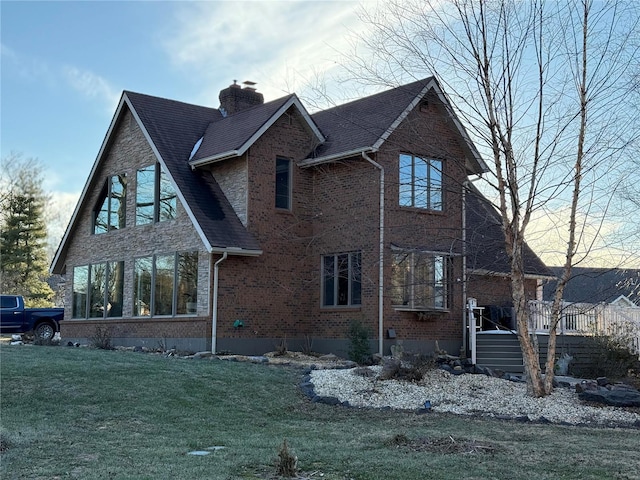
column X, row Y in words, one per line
column 419, row 281
column 420, row 182
column 166, row 285
column 110, row 213
column 98, row 290
column 156, row 199
column 341, row 280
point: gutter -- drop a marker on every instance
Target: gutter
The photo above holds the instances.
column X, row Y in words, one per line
column 381, row 257
column 310, row 162
column 214, row 308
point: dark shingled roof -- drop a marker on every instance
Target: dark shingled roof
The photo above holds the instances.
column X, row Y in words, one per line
column 596, row 285
column 231, row 133
column 485, row 240
column 361, row 123
column 174, row 128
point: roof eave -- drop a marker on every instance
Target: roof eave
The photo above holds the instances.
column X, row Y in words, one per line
column 311, row 162
column 237, row 251
column 215, row 158
column 530, row 276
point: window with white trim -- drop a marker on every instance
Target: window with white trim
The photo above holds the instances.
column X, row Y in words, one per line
column 342, row 280
column 419, row 281
column 420, row 182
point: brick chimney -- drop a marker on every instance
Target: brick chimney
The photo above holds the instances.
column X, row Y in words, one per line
column 235, row 98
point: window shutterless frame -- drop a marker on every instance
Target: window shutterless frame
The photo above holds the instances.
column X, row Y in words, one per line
column 420, row 182
column 341, row 280
column 283, row 183
column 166, row 285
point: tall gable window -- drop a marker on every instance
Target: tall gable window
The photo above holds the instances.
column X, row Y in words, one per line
column 156, row 199
column 420, row 182
column 166, row 285
column 110, row 213
column 98, row 290
column 341, row 280
column 283, row 183
column 419, row 281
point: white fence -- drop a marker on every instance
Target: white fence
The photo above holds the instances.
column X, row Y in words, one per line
column 589, row 319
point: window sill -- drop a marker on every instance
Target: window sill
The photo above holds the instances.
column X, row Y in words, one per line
column 421, row 210
column 341, row 308
column 405, row 308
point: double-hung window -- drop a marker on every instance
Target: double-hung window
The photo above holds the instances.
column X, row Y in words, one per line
column 112, row 205
column 156, row 199
column 166, row 285
column 341, row 280
column 419, row 281
column 420, row 182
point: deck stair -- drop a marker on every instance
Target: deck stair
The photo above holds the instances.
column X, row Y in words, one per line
column 499, row 351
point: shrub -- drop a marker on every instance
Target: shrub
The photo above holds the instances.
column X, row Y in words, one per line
column 101, row 338
column 610, row 357
column 359, row 350
column 287, row 463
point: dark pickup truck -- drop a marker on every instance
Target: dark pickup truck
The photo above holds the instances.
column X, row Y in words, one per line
column 14, row 318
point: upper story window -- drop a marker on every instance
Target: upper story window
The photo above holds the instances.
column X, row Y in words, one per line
column 420, row 182
column 156, row 199
column 419, row 281
column 98, row 290
column 166, row 285
column 110, row 213
column 283, row 183
column 341, row 280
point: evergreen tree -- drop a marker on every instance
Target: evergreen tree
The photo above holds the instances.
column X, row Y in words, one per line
column 23, row 234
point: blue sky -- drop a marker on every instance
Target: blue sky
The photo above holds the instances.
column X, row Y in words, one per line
column 65, row 64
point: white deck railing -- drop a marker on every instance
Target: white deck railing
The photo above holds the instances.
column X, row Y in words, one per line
column 589, row 319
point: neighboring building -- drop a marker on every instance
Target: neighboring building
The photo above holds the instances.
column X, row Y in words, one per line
column 615, row 286
column 258, row 223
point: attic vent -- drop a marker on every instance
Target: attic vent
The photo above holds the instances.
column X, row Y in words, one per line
column 195, row 148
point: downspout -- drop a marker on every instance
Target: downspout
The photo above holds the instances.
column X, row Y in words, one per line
column 465, row 324
column 214, row 308
column 381, row 257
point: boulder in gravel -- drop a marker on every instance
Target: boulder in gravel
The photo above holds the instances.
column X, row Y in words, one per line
column 615, row 398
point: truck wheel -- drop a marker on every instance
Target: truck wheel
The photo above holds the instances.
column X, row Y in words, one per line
column 45, row 331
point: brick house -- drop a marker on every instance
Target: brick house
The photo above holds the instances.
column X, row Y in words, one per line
column 240, row 227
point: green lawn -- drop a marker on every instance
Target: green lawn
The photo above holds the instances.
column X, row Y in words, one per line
column 94, row 414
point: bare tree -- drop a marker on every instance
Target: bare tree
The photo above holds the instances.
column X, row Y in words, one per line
column 542, row 87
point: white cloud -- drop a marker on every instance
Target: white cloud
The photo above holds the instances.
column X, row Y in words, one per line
column 92, row 86
column 280, row 45
column 601, row 242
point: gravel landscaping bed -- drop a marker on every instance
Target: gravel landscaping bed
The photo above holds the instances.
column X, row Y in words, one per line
column 466, row 394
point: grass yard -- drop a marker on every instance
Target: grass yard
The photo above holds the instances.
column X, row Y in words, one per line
column 94, row 414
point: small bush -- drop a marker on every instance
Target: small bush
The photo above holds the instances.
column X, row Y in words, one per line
column 611, row 357
column 359, row 350
column 101, row 338
column 287, row 463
